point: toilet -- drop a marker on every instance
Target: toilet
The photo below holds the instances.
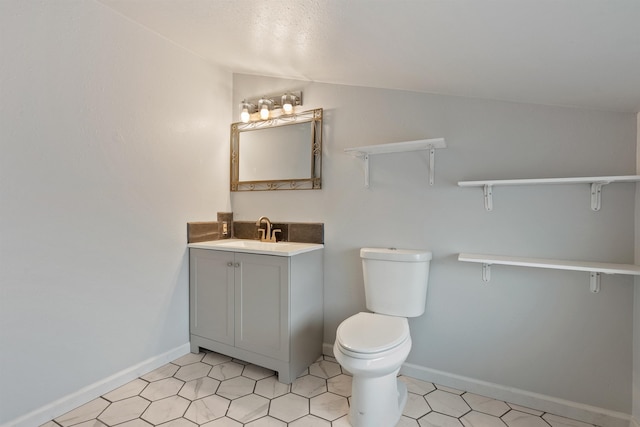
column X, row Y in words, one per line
column 373, row 346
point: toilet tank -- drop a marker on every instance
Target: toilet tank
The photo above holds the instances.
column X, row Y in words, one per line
column 395, row 280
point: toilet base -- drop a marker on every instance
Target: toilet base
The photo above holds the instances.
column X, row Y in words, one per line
column 377, row 401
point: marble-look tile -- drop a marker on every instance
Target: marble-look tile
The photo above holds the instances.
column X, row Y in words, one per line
column 196, row 389
column 435, row 419
column 130, row 389
column 309, row 386
column 236, row 387
column 162, row 372
column 97, row 423
column 193, row 371
column 179, row 422
column 124, row 410
column 256, row 372
column 417, row 386
column 248, row 408
column 557, row 421
column 289, row 407
column 226, row 392
column 134, row 423
column 160, row 389
column 226, row 370
column 341, row 422
column 486, row 404
column 449, row 389
column 515, row 418
column 525, row 409
column 188, row 359
column 447, row 403
column 479, row 419
column 329, row 406
column 222, row 422
column 86, row 412
column 266, row 422
column 325, row 369
column 271, row 388
column 310, row 421
column 207, row 409
column 215, row 359
column 340, row 385
column 407, row 422
column 416, row 406
column 165, row 410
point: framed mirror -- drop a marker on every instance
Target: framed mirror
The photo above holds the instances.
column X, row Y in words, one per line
column 283, row 153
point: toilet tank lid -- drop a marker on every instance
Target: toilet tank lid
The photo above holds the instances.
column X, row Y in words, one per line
column 394, row 254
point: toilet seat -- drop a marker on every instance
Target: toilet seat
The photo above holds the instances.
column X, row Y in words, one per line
column 366, row 335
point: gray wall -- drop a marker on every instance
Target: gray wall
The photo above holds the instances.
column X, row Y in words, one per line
column 533, row 329
column 636, row 309
column 112, row 138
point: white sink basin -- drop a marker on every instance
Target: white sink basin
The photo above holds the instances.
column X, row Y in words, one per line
column 258, row 247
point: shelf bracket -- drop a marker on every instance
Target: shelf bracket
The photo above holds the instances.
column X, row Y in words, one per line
column 488, row 197
column 596, row 195
column 432, row 165
column 594, row 282
column 486, row 272
column 365, row 159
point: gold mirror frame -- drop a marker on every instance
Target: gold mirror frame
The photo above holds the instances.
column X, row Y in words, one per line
column 314, row 118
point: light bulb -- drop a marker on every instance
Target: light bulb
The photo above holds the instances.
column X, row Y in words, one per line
column 264, row 112
column 287, row 103
column 245, row 116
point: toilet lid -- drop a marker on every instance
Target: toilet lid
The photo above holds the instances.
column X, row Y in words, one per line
column 372, row 333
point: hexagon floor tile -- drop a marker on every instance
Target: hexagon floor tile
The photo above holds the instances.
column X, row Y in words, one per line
column 213, row 390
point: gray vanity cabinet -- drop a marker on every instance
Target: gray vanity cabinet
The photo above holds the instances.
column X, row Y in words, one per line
column 263, row 309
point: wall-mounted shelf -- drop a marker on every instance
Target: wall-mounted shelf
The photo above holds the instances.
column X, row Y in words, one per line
column 594, row 268
column 596, row 183
column 398, row 147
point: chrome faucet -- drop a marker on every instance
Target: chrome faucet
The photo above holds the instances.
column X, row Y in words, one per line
column 267, row 234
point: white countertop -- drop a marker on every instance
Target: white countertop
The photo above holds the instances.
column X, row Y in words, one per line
column 258, row 247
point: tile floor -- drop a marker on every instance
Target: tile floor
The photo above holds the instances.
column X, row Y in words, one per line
column 212, row 390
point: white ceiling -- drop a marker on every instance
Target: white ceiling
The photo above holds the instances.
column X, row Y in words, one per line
column 583, row 53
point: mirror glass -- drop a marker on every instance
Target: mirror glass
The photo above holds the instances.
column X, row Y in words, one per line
column 283, row 153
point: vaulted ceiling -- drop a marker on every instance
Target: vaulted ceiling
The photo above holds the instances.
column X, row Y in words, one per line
column 583, row 53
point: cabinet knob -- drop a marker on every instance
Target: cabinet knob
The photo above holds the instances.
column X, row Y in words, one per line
column 237, row 264
column 229, row 264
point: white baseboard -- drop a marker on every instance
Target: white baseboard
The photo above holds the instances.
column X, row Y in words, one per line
column 95, row 390
column 327, row 349
column 564, row 408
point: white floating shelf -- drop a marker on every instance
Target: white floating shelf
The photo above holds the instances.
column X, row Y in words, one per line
column 596, row 183
column 398, row 147
column 595, row 268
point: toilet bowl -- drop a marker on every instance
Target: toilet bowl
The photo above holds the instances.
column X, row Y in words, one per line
column 373, row 346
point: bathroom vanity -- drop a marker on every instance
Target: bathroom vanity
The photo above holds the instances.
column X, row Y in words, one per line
column 259, row 302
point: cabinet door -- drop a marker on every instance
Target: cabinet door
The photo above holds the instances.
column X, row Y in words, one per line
column 211, row 294
column 262, row 305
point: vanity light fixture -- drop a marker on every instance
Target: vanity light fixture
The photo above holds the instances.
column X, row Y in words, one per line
column 267, row 106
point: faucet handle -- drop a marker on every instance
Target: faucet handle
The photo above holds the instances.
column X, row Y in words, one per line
column 273, row 235
column 261, row 234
